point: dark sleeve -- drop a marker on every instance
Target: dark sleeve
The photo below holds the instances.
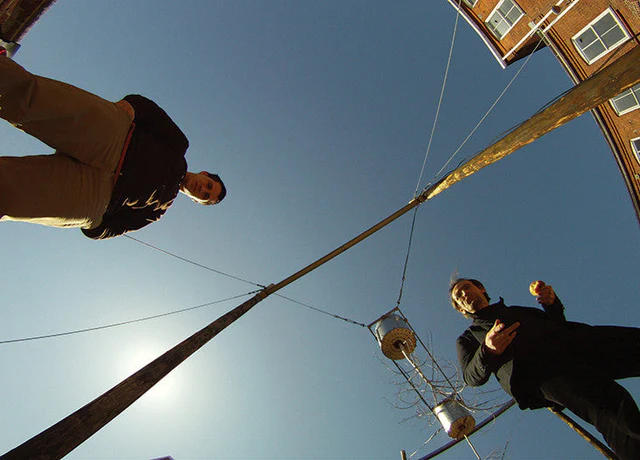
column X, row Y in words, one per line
column 477, row 365
column 125, row 220
column 556, row 311
column 151, row 118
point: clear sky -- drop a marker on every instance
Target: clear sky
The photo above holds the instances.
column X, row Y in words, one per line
column 317, row 115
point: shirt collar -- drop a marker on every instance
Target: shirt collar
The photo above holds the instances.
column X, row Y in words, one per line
column 489, row 310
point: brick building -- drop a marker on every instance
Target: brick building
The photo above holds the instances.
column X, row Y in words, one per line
column 584, row 36
column 18, row 16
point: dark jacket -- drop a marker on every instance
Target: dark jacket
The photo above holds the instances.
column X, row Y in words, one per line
column 150, row 178
column 545, row 345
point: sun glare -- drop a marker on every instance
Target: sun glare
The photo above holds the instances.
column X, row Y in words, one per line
column 166, row 389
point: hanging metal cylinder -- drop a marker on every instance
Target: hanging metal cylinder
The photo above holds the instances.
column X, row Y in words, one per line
column 455, row 419
column 393, row 335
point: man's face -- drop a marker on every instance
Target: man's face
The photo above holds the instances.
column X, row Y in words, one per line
column 469, row 297
column 201, row 188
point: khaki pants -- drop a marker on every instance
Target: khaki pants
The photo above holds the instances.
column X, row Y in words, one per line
column 71, row 187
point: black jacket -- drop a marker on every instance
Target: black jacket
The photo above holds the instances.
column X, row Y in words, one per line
column 150, row 178
column 546, row 344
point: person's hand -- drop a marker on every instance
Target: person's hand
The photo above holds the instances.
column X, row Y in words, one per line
column 544, row 293
column 499, row 337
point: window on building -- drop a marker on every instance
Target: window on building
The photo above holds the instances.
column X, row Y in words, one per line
column 635, row 146
column 627, row 101
column 605, row 33
column 503, row 18
column 471, row 3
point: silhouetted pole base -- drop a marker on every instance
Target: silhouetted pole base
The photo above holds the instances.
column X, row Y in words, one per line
column 600, row 447
column 61, row 438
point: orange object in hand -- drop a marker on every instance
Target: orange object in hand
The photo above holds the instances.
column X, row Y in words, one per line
column 535, row 286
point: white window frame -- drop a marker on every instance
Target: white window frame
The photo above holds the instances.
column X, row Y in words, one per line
column 502, row 17
column 636, row 148
column 634, row 91
column 471, row 3
column 608, row 11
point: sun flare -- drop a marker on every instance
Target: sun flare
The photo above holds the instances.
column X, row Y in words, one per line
column 167, row 388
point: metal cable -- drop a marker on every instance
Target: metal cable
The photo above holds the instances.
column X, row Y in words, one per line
column 121, row 323
column 184, row 259
column 435, row 119
column 488, row 111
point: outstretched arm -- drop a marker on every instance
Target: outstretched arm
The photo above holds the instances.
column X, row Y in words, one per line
column 546, row 297
column 473, row 360
column 125, row 220
column 479, row 360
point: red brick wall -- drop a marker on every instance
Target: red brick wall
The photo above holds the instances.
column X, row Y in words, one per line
column 618, row 129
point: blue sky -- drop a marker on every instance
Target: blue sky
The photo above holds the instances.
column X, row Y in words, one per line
column 317, row 115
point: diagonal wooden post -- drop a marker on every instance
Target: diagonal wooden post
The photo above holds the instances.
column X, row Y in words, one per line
column 591, row 439
column 61, row 438
column 596, row 90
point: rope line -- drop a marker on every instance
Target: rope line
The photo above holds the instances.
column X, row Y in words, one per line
column 406, row 259
column 488, row 111
column 122, row 323
column 184, row 259
column 444, row 84
column 428, row 150
column 322, row 311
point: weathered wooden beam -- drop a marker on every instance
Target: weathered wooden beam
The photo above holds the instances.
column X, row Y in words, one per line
column 591, row 439
column 596, row 90
column 61, row 438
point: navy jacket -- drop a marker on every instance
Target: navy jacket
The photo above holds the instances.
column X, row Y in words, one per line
column 546, row 344
column 150, row 178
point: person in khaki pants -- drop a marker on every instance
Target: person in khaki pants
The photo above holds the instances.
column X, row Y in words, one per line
column 116, row 167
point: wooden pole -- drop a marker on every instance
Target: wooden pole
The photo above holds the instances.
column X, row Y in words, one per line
column 596, row 90
column 61, row 438
column 600, row 447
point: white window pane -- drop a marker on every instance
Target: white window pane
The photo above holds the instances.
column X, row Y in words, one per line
column 606, row 23
column 613, row 36
column 594, row 50
column 635, row 145
column 513, row 16
column 505, row 6
column 588, row 37
column 506, row 14
column 497, row 25
column 600, row 36
column 502, row 29
column 627, row 100
column 624, row 102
